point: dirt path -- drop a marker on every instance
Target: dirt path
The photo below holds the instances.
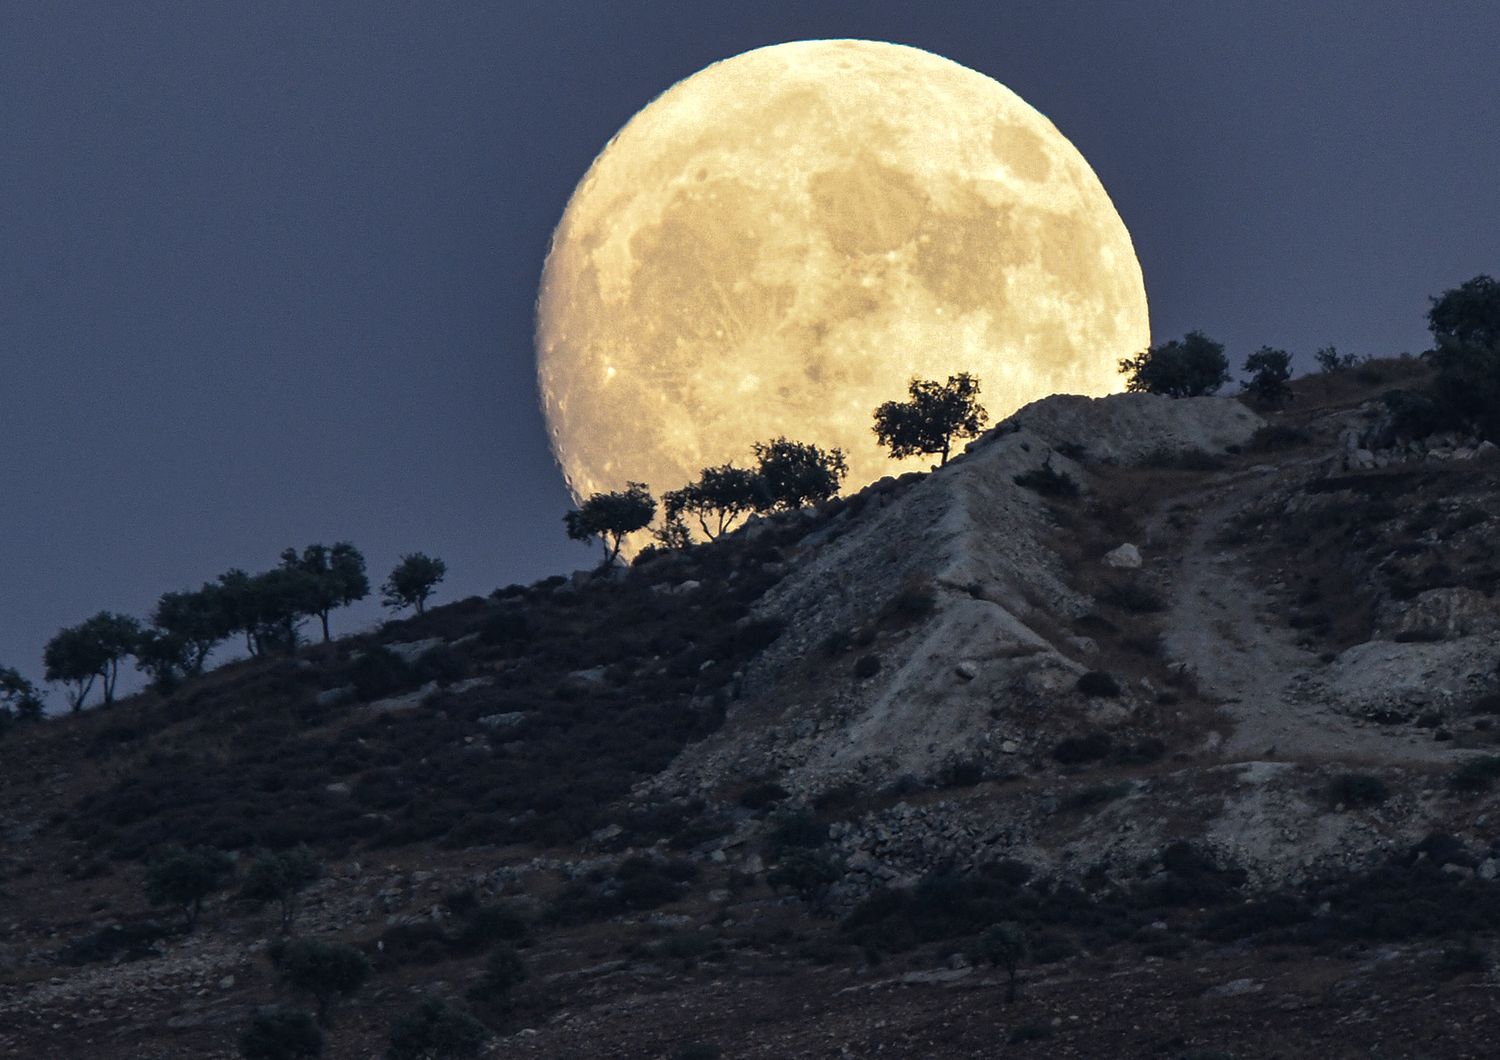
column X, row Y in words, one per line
column 1219, row 626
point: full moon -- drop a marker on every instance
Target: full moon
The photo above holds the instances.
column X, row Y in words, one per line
column 778, row 243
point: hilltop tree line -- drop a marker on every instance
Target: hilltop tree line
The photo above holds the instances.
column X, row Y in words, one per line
column 266, row 609
column 787, row 475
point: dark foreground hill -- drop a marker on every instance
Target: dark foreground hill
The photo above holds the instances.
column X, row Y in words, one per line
column 808, row 791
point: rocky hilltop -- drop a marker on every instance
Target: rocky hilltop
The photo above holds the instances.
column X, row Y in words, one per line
column 1183, row 712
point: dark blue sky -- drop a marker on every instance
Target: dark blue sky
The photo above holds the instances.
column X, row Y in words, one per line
column 267, row 269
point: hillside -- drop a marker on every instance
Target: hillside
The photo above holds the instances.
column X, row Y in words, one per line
column 1231, row 785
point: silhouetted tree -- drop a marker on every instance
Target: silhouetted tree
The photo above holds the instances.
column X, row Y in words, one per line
column 236, row 595
column 1465, row 322
column 794, row 474
column 19, row 698
column 1269, row 371
column 435, row 1030
column 935, row 415
column 719, row 499
column 165, row 656
column 611, row 517
column 324, row 971
column 1330, row 360
column 280, row 599
column 78, row 655
column 185, row 877
column 337, row 573
column 1189, row 367
column 197, row 619
column 281, row 1034
column 412, row 582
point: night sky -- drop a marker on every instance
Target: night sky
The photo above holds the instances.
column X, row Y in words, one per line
column 268, row 270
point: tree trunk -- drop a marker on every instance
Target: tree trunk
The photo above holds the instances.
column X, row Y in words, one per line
column 324, row 616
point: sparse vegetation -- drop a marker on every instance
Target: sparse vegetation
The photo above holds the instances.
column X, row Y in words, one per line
column 183, row 878
column 435, row 1030
column 323, row 971
column 281, row 1034
column 1048, row 481
column 1357, row 790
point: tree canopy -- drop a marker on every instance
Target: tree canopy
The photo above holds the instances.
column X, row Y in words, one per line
column 1269, row 370
column 93, row 650
column 794, row 474
column 412, row 581
column 1465, row 322
column 934, row 416
column 611, row 517
column 336, row 577
column 1192, row 366
column 719, row 499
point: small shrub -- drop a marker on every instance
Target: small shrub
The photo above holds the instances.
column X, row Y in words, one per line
column 1476, row 775
column 323, row 970
column 281, row 1034
column 1094, row 796
column 1141, row 753
column 1097, row 683
column 1358, row 789
column 913, row 602
column 1076, row 750
column 439, row 663
column 866, row 667
column 962, row 773
column 1464, row 959
column 1133, row 595
column 1031, row 1032
column 797, row 829
column 759, row 796
column 130, row 942
column 435, row 1030
column 807, row 873
column 1047, row 482
column 504, row 970
column 1274, row 436
column 1166, row 459
column 379, row 672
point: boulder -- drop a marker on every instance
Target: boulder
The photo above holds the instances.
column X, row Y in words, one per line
column 1126, row 557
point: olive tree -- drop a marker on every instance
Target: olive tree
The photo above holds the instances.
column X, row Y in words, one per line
column 79, row 655
column 436, row 1030
column 185, row 877
column 19, row 699
column 794, row 474
column 719, row 499
column 281, row 878
column 1192, row 366
column 412, row 581
column 1465, row 323
column 612, row 517
column 324, row 971
column 1269, row 370
column 337, row 577
column 933, row 417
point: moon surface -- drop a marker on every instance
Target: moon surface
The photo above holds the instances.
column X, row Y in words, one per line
column 778, row 243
